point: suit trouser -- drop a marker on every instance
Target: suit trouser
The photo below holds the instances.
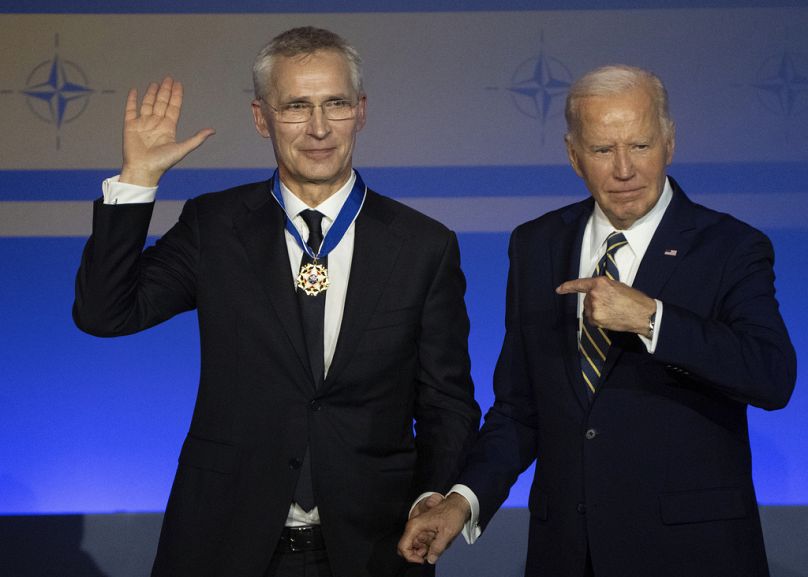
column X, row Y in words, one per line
column 588, row 571
column 299, row 564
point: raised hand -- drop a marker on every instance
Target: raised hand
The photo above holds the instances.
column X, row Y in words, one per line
column 150, row 144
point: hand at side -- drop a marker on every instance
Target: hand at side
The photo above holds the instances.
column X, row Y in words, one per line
column 429, row 533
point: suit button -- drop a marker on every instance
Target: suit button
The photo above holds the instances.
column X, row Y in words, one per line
column 581, row 508
column 315, row 405
column 591, row 434
column 295, row 463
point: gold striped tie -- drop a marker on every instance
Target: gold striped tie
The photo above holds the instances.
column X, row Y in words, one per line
column 595, row 342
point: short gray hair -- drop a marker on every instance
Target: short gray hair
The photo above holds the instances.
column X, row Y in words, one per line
column 303, row 40
column 612, row 80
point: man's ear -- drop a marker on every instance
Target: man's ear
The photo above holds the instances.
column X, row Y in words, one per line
column 361, row 112
column 670, row 145
column 572, row 155
column 259, row 119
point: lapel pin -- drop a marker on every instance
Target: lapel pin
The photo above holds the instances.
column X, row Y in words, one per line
column 671, row 252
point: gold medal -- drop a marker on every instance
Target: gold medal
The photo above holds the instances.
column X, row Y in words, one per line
column 312, row 278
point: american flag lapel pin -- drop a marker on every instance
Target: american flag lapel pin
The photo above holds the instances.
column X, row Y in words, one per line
column 671, row 252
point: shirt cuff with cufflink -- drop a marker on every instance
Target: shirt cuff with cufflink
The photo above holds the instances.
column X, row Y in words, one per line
column 116, row 192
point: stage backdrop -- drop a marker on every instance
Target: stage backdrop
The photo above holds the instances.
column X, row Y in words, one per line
column 464, row 122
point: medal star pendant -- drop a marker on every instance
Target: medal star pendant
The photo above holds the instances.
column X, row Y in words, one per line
column 312, row 278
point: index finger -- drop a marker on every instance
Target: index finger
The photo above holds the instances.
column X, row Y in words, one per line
column 579, row 285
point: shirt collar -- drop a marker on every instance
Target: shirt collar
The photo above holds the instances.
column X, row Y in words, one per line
column 639, row 234
column 329, row 208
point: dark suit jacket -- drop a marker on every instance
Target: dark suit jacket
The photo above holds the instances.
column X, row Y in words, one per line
column 401, row 355
column 655, row 473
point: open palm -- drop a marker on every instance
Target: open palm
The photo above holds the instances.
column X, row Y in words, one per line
column 150, row 144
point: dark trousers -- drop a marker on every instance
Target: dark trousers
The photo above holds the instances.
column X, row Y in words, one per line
column 299, row 564
column 588, row 571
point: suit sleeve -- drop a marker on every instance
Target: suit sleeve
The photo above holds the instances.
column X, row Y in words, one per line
column 122, row 289
column 507, row 443
column 446, row 415
column 742, row 349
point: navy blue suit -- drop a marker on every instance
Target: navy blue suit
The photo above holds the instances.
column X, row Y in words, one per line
column 654, row 476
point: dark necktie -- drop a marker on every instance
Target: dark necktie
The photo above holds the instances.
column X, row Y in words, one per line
column 595, row 342
column 312, row 312
column 312, row 307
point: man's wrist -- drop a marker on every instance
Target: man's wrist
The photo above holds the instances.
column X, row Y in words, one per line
column 648, row 322
column 458, row 500
column 471, row 528
column 652, row 325
column 145, row 178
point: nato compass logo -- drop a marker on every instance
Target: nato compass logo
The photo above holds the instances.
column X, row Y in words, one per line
column 782, row 84
column 57, row 91
column 539, row 86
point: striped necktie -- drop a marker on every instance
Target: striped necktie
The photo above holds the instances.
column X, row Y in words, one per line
column 595, row 341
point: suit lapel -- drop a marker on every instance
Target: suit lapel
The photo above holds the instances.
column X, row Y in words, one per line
column 376, row 248
column 260, row 227
column 566, row 265
column 670, row 243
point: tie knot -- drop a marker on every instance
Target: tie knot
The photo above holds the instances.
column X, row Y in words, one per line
column 607, row 265
column 614, row 241
column 313, row 220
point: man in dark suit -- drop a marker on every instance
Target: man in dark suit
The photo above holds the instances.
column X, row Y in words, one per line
column 317, row 353
column 630, row 388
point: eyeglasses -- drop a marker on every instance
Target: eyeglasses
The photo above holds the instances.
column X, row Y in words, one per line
column 297, row 112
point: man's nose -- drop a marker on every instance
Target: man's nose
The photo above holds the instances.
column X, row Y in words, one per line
column 318, row 125
column 623, row 164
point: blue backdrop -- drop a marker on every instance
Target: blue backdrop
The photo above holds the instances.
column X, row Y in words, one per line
column 95, row 425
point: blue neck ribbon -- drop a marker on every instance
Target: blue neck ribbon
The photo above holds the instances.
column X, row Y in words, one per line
column 347, row 214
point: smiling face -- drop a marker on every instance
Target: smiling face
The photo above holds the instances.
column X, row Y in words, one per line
column 621, row 152
column 314, row 157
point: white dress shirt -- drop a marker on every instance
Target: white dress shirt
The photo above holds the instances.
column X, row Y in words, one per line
column 339, row 259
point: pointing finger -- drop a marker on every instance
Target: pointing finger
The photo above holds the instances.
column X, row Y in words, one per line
column 581, row 285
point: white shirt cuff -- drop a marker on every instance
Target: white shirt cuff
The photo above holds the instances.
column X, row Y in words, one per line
column 650, row 344
column 419, row 499
column 116, row 192
column 471, row 530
